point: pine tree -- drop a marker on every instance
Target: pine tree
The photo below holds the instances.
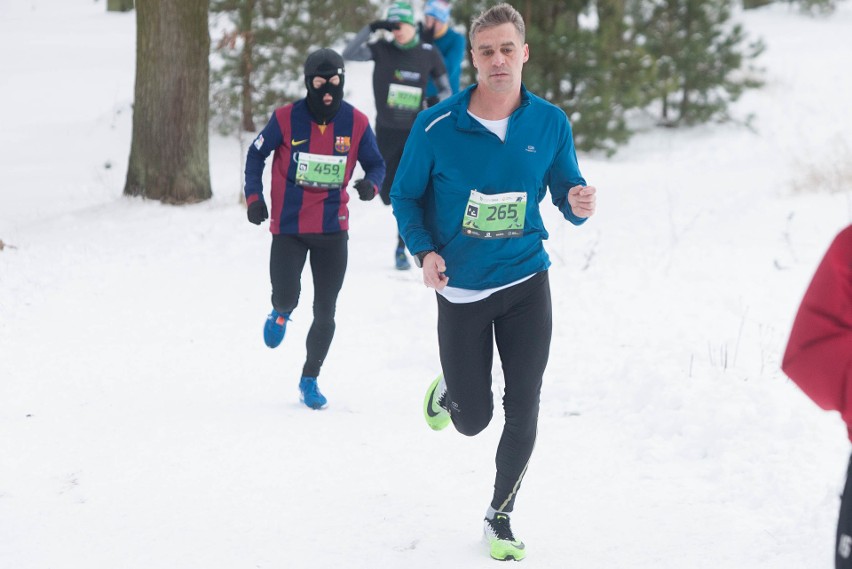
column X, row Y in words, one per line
column 701, row 61
column 169, row 146
column 260, row 49
column 606, row 75
column 823, row 7
column 816, row 7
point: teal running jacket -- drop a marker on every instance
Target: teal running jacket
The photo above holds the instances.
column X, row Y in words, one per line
column 449, row 153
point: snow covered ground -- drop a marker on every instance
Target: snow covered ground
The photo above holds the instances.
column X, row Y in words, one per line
column 144, row 425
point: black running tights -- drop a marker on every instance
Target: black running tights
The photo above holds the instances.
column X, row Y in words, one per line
column 843, row 545
column 329, row 253
column 391, row 142
column 519, row 320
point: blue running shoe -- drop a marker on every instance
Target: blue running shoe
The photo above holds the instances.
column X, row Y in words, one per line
column 310, row 394
column 276, row 325
column 401, row 260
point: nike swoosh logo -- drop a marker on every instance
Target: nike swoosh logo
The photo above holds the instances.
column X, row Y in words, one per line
column 429, row 406
column 294, row 142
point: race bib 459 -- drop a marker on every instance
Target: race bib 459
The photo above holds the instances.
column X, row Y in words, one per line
column 319, row 170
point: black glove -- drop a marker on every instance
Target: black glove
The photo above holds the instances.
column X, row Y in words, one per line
column 257, row 212
column 384, row 25
column 366, row 189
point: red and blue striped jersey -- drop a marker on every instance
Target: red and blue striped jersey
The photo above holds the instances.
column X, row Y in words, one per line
column 298, row 208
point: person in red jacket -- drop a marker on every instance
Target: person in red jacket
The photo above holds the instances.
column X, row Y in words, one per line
column 819, row 358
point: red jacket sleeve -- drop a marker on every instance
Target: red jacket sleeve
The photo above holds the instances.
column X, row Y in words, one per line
column 819, row 352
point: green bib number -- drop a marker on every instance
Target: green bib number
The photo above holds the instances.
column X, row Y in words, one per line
column 320, row 171
column 404, row 97
column 496, row 216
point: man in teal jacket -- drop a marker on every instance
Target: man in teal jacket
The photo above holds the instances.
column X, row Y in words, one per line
column 466, row 199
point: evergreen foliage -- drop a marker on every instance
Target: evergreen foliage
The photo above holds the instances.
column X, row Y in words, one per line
column 824, row 7
column 602, row 61
column 816, row 7
column 259, row 50
column 701, row 60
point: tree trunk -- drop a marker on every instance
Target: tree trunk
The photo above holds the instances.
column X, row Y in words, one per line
column 611, row 27
column 528, row 11
column 247, row 31
column 169, row 151
column 686, row 73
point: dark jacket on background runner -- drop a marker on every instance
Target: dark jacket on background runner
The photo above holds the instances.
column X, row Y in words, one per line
column 400, row 76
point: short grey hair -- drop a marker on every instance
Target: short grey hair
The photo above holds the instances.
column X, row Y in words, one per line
column 497, row 16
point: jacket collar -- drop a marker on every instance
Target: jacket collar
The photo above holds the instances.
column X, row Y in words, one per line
column 466, row 122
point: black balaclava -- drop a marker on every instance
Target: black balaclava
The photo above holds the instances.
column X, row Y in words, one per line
column 325, row 63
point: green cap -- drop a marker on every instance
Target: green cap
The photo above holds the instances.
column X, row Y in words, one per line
column 401, row 12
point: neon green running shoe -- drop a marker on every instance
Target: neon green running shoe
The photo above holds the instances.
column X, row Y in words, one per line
column 501, row 540
column 434, row 409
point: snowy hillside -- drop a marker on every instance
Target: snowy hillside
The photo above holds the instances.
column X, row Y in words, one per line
column 144, row 425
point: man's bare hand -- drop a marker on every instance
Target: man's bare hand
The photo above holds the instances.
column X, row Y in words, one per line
column 433, row 271
column 582, row 200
